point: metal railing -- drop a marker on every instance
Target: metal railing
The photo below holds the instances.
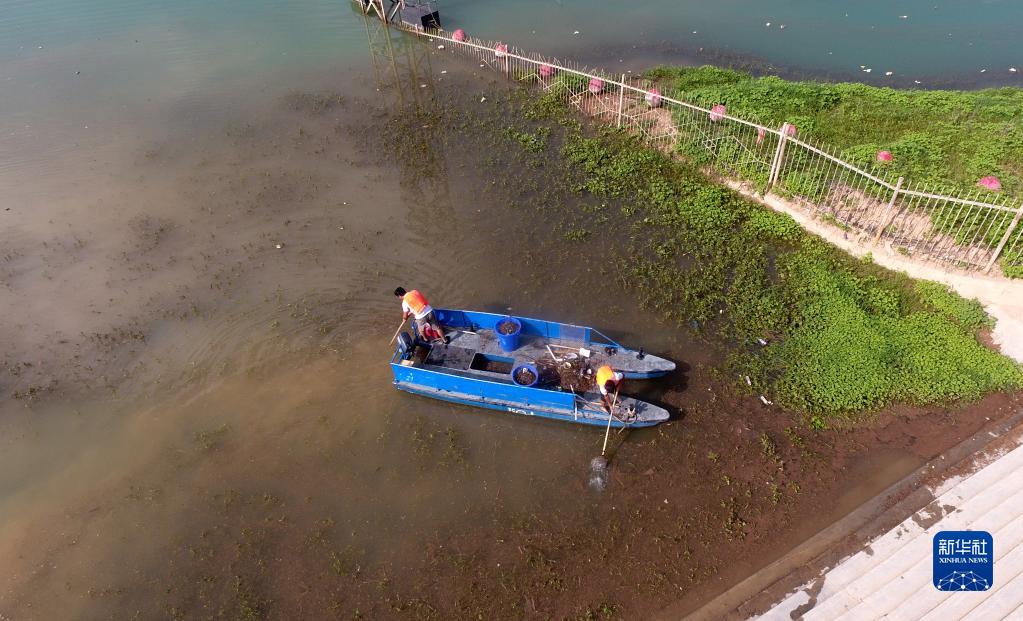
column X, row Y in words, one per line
column 956, row 228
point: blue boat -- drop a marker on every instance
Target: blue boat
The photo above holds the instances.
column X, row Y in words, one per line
column 525, row 366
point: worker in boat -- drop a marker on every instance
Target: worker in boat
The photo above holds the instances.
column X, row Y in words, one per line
column 414, row 303
column 609, row 382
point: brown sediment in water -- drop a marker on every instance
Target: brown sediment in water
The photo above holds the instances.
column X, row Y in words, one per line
column 217, row 433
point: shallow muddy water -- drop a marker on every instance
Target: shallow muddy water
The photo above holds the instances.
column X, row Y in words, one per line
column 197, row 316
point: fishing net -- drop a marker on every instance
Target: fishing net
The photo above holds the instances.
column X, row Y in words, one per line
column 598, row 473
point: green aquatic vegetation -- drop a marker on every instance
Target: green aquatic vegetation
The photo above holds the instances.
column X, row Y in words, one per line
column 842, row 335
column 967, row 313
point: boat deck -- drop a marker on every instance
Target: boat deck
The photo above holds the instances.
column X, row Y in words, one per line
column 533, row 349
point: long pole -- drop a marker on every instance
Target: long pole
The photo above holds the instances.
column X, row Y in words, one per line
column 396, row 332
column 610, row 416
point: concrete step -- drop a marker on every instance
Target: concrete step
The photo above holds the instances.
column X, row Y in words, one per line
column 912, row 595
column 988, row 493
column 988, row 485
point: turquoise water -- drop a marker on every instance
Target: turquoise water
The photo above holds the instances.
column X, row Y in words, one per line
column 89, row 73
column 937, row 41
column 63, row 61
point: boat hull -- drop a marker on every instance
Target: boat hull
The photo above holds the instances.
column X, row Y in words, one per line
column 524, row 409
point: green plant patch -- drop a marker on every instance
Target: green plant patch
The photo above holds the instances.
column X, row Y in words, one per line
column 967, row 313
column 842, row 335
column 950, row 138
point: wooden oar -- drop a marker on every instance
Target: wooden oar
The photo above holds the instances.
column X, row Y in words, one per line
column 398, row 331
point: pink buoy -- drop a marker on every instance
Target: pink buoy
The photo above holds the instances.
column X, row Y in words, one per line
column 458, row 35
column 546, row 71
column 991, row 183
column 717, row 113
column 884, row 156
column 596, row 85
column 653, row 98
column 791, row 130
column 761, row 134
column 500, row 50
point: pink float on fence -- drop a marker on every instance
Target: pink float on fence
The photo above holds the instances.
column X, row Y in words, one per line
column 717, row 113
column 791, row 130
column 761, row 134
column 991, row 183
column 501, row 50
column 653, row 98
column 458, row 35
column 546, row 71
column 884, row 156
column 596, row 85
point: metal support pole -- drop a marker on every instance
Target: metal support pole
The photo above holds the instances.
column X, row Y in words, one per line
column 621, row 100
column 779, row 153
column 378, row 8
column 887, row 216
column 1005, row 239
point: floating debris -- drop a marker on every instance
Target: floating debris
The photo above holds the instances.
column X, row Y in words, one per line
column 440, row 47
column 765, row 400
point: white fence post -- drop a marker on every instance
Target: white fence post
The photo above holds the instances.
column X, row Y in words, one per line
column 621, row 99
column 1005, row 239
column 887, row 216
column 779, row 153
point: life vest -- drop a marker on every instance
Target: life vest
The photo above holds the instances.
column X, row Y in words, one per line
column 604, row 374
column 416, row 302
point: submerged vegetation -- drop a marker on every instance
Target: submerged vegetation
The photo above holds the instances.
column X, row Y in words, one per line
column 815, row 329
column 936, row 137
